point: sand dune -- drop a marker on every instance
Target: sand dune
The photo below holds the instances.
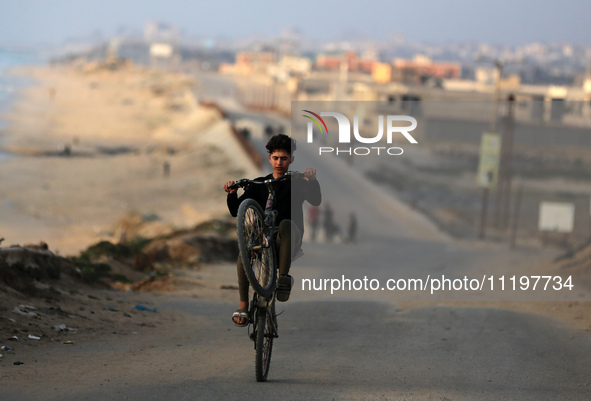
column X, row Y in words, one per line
column 91, row 146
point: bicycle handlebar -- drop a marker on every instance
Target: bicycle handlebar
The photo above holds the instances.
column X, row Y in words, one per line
column 245, row 181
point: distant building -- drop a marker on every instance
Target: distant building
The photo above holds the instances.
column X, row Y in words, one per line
column 255, row 59
column 487, row 76
column 248, row 63
column 324, row 62
column 407, row 75
column 382, row 73
column 587, row 89
column 354, row 64
column 587, row 85
column 296, row 65
column 288, row 67
column 422, row 67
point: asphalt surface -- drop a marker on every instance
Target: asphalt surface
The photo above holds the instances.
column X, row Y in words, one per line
column 342, row 350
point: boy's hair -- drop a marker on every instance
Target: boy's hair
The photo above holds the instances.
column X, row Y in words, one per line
column 281, row 142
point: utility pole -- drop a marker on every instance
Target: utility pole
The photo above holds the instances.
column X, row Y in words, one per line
column 516, row 216
column 506, row 165
column 483, row 212
column 493, row 126
column 498, row 75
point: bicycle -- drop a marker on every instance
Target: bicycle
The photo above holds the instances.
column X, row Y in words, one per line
column 257, row 250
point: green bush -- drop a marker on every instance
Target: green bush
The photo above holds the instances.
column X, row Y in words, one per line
column 104, row 248
column 137, row 244
column 93, row 272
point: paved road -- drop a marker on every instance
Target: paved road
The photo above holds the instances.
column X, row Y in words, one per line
column 361, row 345
column 357, row 345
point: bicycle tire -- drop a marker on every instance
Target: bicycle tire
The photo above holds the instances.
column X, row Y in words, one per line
column 264, row 343
column 258, row 262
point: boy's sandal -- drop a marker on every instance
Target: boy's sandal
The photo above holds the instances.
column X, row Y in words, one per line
column 241, row 314
column 284, row 284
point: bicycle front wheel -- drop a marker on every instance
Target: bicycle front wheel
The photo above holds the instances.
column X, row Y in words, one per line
column 264, row 343
column 258, row 256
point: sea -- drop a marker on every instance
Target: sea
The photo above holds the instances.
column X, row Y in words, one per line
column 10, row 84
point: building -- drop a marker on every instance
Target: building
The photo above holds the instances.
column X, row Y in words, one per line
column 423, row 67
column 382, row 73
column 354, row 64
column 255, row 58
column 290, row 67
column 248, row 63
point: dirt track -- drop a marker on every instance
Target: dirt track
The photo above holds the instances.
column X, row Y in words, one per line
column 353, row 346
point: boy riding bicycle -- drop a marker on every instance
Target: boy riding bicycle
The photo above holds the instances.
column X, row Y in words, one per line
column 289, row 221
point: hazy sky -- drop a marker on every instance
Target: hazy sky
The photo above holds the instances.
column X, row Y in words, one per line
column 498, row 21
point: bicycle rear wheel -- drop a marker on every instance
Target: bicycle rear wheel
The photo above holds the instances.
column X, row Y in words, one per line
column 264, row 343
column 258, row 257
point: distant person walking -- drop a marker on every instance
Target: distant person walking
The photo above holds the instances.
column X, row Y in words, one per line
column 166, row 169
column 269, row 131
column 313, row 213
column 329, row 226
column 352, row 230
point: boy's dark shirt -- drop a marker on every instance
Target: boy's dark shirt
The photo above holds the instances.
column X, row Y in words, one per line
column 288, row 207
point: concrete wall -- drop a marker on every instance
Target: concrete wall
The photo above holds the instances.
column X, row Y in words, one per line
column 469, row 132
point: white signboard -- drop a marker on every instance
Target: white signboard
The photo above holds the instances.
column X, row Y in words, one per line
column 488, row 166
column 162, row 50
column 557, row 217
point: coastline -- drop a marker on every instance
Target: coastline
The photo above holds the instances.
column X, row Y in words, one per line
column 12, row 83
column 90, row 147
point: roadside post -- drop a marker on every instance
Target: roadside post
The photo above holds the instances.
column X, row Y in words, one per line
column 503, row 198
column 488, row 172
column 515, row 222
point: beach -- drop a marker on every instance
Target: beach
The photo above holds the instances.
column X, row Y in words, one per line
column 92, row 145
column 100, row 152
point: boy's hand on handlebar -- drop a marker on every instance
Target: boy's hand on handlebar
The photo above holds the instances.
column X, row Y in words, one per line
column 228, row 189
column 309, row 174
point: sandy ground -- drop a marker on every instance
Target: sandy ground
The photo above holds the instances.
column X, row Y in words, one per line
column 89, row 148
column 121, row 128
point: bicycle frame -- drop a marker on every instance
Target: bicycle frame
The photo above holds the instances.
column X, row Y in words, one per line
column 270, row 214
column 258, row 301
column 261, row 304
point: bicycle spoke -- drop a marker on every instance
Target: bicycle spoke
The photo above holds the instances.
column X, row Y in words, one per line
column 254, row 228
column 257, row 256
column 261, row 268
